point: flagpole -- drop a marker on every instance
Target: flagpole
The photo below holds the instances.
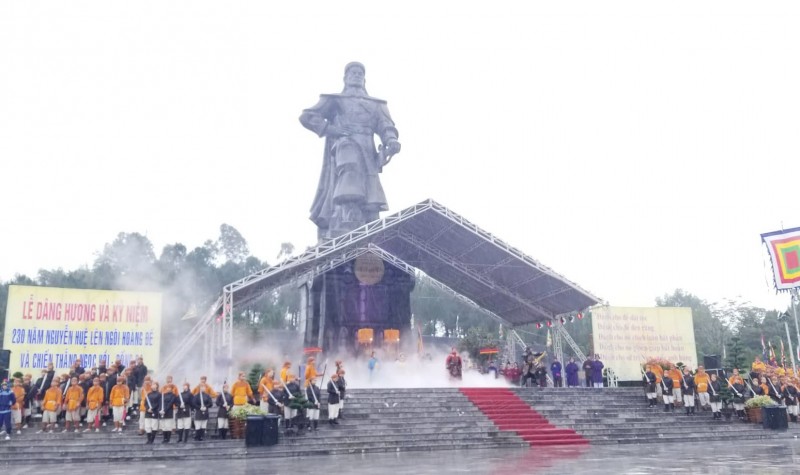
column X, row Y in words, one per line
column 796, row 326
column 791, row 349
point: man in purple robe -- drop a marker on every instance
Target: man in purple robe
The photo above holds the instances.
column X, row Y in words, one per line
column 597, row 372
column 587, row 371
column 555, row 369
column 572, row 373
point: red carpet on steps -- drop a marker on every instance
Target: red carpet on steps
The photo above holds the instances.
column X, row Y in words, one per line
column 510, row 413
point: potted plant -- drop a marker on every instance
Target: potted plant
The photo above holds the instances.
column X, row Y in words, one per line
column 754, row 405
column 238, row 419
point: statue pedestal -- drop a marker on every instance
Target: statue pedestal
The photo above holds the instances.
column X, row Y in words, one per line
column 366, row 292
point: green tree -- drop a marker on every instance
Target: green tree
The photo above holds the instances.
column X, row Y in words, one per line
column 232, row 244
column 735, row 353
column 129, row 261
column 255, row 376
column 287, row 249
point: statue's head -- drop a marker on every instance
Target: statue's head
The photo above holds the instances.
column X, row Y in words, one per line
column 354, row 75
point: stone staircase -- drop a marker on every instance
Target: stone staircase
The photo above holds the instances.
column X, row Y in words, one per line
column 375, row 420
column 399, row 420
column 621, row 416
column 510, row 413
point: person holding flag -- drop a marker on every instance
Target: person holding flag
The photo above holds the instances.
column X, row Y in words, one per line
column 783, row 356
column 772, row 359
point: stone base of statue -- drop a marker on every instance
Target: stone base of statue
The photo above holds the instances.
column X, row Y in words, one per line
column 354, row 306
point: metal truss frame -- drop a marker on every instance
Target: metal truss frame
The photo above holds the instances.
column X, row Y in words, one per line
column 565, row 334
column 499, row 243
column 198, row 331
column 558, row 350
column 446, row 258
column 218, row 335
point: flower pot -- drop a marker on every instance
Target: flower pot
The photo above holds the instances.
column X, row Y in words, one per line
column 754, row 415
column 238, row 428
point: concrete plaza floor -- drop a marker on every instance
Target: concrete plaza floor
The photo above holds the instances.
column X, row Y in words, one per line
column 748, row 457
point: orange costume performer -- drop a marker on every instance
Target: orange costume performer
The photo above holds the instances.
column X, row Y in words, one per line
column 146, row 388
column 757, row 368
column 701, row 381
column 72, row 401
column 94, row 401
column 241, row 392
column 268, row 383
column 285, row 372
column 51, row 402
column 169, row 388
column 206, row 388
column 17, row 408
column 736, row 379
column 119, row 397
column 311, row 372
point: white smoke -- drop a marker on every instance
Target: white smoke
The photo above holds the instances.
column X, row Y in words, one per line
column 412, row 372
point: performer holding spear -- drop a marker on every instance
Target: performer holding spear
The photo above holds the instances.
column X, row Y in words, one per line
column 688, row 390
column 184, row 414
column 669, row 401
column 272, row 402
column 265, row 385
column 313, row 394
column 333, row 399
column 650, row 386
column 224, row 408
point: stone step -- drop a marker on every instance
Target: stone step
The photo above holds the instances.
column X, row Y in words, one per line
column 350, row 440
column 734, row 437
column 279, row 450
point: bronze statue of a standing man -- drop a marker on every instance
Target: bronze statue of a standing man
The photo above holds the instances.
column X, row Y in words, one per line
column 349, row 193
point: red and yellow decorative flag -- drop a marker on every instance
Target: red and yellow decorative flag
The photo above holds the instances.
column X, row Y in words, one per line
column 784, row 253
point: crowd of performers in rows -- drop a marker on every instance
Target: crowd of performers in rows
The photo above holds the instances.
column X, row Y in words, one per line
column 676, row 386
column 115, row 394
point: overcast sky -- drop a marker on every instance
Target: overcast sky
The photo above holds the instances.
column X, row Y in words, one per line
column 632, row 147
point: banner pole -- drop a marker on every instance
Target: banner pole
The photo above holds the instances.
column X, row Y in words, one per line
column 796, row 326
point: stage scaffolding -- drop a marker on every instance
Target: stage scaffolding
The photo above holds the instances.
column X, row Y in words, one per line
column 427, row 240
